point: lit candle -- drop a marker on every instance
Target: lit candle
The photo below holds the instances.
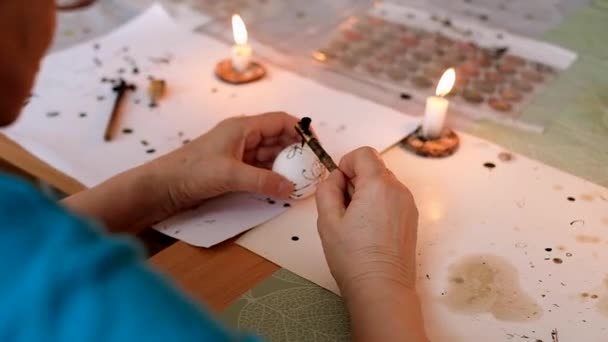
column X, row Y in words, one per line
column 437, row 106
column 241, row 51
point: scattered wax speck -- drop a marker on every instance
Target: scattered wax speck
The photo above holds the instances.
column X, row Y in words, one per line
column 186, row 141
column 52, row 114
column 568, row 254
column 286, row 205
column 489, row 165
column 406, row 96
column 594, row 296
column 135, row 71
column 584, row 295
column 577, row 223
column 571, row 199
column 82, row 115
column 144, row 142
column 557, row 260
column 295, row 238
column 548, row 249
column 150, row 151
column 101, row 98
column 127, row 130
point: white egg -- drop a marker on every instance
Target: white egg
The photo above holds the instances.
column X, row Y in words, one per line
column 302, row 167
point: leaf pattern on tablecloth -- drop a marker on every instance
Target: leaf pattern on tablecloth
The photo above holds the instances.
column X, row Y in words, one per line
column 287, row 276
column 295, row 314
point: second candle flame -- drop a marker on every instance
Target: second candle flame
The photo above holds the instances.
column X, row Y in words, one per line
column 446, row 82
column 239, row 31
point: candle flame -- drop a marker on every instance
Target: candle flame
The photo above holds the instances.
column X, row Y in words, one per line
column 239, row 31
column 446, row 82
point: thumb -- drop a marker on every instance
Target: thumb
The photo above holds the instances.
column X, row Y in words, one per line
column 253, row 179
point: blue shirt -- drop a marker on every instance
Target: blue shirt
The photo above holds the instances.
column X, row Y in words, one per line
column 63, row 279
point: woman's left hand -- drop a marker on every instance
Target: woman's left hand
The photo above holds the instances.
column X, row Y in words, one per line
column 234, row 156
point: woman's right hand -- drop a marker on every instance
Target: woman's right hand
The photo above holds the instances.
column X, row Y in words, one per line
column 370, row 246
column 372, row 239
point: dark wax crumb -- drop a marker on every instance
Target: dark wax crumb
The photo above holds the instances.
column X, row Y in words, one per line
column 548, row 249
column 52, row 114
column 286, row 205
column 489, row 165
column 406, row 96
column 82, row 115
column 557, row 260
column 295, row 238
column 144, row 142
column 150, row 151
column 571, row 199
column 127, row 131
column 135, row 71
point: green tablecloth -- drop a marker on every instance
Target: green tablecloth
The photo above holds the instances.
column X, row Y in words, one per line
column 287, row 307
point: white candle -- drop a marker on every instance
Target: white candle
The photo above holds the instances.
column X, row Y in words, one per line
column 434, row 116
column 241, row 51
column 437, row 106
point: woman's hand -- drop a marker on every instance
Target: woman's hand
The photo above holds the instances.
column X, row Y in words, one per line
column 370, row 246
column 234, row 156
column 373, row 239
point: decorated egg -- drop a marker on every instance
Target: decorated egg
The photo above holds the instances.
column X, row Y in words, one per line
column 302, row 167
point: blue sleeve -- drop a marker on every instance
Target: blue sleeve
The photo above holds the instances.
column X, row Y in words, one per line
column 62, row 279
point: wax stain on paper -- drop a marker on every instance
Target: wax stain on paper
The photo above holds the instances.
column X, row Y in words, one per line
column 489, row 284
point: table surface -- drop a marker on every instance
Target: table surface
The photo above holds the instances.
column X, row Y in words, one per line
column 575, row 141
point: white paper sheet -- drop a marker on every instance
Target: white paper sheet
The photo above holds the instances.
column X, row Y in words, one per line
column 519, row 210
column 64, row 122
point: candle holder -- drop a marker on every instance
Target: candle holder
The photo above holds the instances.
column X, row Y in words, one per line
column 443, row 146
column 227, row 73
